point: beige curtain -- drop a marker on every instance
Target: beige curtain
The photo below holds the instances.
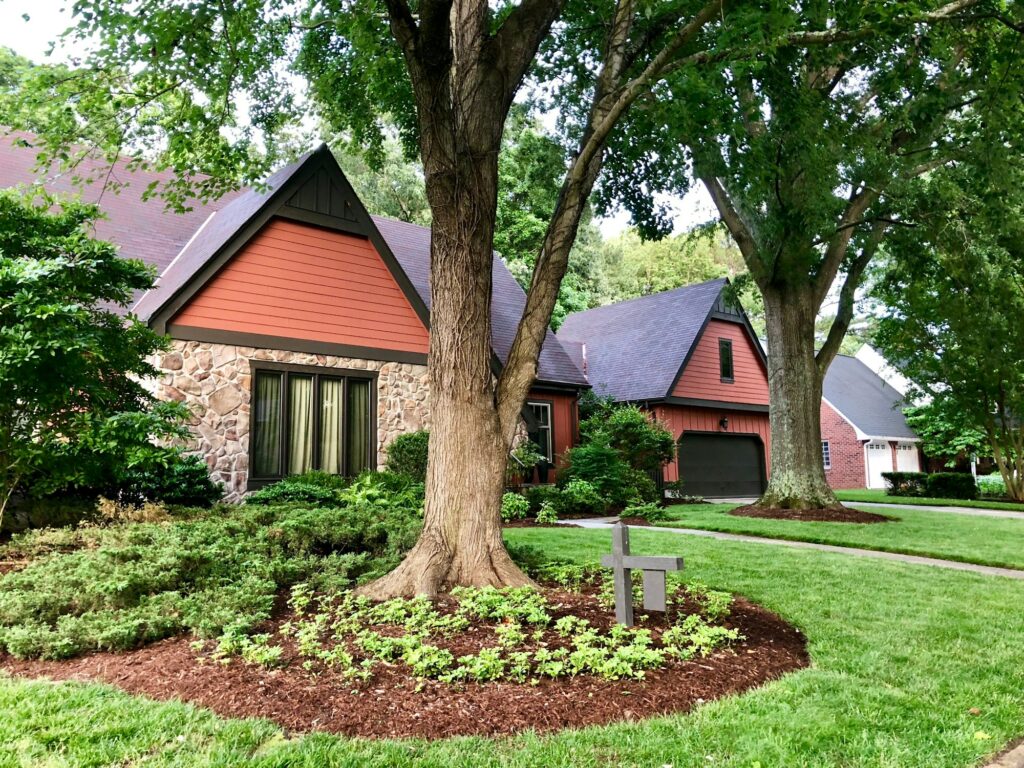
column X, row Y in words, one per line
column 300, row 439
column 330, row 425
column 266, row 439
column 357, row 443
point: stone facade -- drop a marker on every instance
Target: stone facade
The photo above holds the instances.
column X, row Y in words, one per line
column 215, row 382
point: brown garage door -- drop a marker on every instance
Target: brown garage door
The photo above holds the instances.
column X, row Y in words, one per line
column 721, row 465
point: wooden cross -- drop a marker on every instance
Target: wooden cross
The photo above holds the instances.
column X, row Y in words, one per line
column 654, row 568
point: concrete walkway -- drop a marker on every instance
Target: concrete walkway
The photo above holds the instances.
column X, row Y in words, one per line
column 986, row 570
column 928, row 508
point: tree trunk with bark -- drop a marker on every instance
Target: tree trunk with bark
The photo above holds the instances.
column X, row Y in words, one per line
column 797, row 479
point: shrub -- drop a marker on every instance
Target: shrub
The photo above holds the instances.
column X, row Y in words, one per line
column 905, row 483
column 650, row 512
column 641, row 442
column 580, row 497
column 992, row 486
column 514, row 507
column 407, row 455
column 293, row 489
column 184, row 480
column 951, row 485
column 521, row 461
column 547, row 514
column 598, row 463
column 538, row 495
column 123, row 586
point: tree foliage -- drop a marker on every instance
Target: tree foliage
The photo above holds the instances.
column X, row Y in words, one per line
column 71, row 402
column 953, row 288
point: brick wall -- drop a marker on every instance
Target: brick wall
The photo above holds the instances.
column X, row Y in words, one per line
column 847, row 451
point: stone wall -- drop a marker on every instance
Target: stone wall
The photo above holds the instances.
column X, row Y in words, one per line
column 214, row 381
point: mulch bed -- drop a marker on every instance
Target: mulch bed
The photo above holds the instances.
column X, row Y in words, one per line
column 635, row 521
column 392, row 704
column 531, row 523
column 822, row 515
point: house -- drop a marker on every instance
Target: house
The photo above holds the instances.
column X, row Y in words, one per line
column 299, row 324
column 863, row 430
column 691, row 358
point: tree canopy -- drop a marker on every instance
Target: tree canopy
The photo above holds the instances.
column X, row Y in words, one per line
column 71, row 399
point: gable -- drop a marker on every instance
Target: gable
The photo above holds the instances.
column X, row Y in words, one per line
column 297, row 281
column 701, row 378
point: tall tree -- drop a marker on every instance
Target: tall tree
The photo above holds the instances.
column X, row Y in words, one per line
column 806, row 146
column 953, row 291
column 446, row 72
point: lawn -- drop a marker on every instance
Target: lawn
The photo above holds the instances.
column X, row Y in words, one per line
column 902, row 654
column 880, row 497
column 968, row 538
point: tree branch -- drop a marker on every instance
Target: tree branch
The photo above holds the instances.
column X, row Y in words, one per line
column 520, row 34
column 847, row 298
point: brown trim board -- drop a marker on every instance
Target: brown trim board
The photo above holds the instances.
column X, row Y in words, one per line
column 237, row 338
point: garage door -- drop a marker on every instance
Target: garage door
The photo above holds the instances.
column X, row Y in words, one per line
column 721, row 465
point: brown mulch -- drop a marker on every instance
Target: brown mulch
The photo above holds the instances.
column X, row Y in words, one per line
column 821, row 515
column 531, row 523
column 634, row 521
column 392, row 704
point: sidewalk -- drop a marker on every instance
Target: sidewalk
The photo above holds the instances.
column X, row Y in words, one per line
column 985, row 570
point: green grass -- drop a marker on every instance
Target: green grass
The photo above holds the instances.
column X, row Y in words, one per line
column 968, row 538
column 880, row 497
column 900, row 655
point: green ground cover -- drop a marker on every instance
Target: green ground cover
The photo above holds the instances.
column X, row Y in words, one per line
column 968, row 538
column 881, row 497
column 901, row 656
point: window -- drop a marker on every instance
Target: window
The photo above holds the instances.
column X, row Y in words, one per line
column 725, row 359
column 307, row 418
column 540, row 431
column 826, row 454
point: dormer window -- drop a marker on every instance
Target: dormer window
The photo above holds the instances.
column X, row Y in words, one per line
column 725, row 366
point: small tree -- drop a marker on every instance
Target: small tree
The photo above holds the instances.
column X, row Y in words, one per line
column 71, row 402
column 954, row 291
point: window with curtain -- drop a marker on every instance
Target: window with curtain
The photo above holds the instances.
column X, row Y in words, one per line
column 305, row 419
column 540, row 432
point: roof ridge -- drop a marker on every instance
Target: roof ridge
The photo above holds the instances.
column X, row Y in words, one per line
column 647, row 296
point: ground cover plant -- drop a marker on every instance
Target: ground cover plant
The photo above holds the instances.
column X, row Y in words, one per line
column 876, row 496
column 118, row 586
column 523, row 634
column 947, row 535
column 892, row 684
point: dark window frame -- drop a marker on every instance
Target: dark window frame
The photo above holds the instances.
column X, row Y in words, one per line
column 723, row 345
column 550, row 405
column 826, row 454
column 317, row 372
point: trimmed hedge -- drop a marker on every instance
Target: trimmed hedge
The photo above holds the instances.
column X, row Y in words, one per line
column 905, row 483
column 951, row 485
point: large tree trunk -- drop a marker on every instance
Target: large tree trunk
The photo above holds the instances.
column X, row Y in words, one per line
column 797, row 478
column 461, row 542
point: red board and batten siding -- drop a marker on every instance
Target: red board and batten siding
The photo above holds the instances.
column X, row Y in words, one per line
column 563, row 419
column 846, row 450
column 685, row 418
column 301, row 282
column 702, row 377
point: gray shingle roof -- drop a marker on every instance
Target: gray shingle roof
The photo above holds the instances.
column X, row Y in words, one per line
column 863, row 397
column 410, row 243
column 634, row 348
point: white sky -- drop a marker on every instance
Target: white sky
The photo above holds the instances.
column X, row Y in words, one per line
column 32, row 37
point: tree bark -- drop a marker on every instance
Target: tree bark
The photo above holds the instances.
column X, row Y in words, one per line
column 797, row 480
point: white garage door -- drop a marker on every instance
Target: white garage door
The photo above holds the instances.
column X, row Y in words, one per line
column 907, row 458
column 879, row 457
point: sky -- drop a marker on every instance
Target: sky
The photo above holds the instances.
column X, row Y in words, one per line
column 32, row 37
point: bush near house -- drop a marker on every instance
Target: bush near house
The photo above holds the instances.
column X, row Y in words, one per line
column 939, row 485
column 905, row 483
column 118, row 586
column 407, row 455
column 992, row 486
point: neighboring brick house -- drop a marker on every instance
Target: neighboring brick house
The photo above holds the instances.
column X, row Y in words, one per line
column 692, row 359
column 863, row 430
